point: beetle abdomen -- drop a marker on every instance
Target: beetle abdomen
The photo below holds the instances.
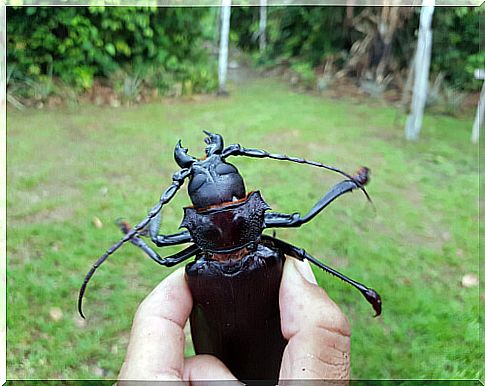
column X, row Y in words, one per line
column 236, row 315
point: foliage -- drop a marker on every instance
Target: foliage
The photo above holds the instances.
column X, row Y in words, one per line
column 166, row 44
column 305, row 73
column 313, row 34
column 305, row 33
column 456, row 39
column 12, row 87
column 79, row 43
column 67, row 166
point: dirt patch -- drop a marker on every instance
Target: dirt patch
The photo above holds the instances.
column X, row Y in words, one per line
column 281, row 136
column 339, row 261
column 22, row 213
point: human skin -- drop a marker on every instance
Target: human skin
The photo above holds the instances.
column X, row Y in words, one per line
column 317, row 331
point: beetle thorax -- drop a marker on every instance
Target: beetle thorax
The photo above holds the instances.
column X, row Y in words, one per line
column 227, row 228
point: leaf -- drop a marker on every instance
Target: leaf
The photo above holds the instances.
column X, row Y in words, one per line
column 110, row 49
column 56, row 314
column 97, row 222
column 469, row 280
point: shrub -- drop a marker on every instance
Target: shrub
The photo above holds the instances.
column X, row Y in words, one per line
column 79, row 43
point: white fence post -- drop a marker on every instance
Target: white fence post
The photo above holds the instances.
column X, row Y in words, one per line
column 479, row 74
column 224, row 45
column 422, row 63
column 263, row 16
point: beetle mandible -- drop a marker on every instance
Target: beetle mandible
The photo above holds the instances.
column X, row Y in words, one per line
column 240, row 326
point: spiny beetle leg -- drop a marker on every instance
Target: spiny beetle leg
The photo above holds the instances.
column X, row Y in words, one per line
column 168, row 261
column 163, row 240
column 126, row 227
column 177, row 181
column 371, row 296
column 278, row 220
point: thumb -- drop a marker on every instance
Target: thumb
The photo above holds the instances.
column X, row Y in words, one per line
column 208, row 370
column 317, row 331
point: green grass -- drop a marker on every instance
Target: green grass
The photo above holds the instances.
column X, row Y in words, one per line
column 67, row 166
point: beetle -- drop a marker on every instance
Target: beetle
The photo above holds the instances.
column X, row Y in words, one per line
column 235, row 277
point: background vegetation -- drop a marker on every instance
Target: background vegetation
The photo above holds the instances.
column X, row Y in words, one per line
column 309, row 36
column 167, row 48
column 159, row 46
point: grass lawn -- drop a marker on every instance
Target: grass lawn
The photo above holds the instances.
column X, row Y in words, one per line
column 67, row 167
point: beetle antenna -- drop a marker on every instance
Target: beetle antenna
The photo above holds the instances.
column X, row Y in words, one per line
column 178, row 180
column 236, row 150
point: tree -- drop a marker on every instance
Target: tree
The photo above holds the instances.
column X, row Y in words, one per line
column 263, row 15
column 421, row 72
column 479, row 74
column 371, row 58
column 224, row 45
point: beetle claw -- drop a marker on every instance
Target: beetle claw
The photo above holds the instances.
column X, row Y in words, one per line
column 374, row 299
column 362, row 175
column 126, row 227
column 123, row 225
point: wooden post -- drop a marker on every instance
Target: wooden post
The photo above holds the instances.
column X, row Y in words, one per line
column 422, row 63
column 224, row 45
column 479, row 74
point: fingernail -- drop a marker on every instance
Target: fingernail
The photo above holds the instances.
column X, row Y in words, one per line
column 305, row 271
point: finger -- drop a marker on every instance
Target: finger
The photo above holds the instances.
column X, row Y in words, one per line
column 318, row 333
column 156, row 348
column 207, row 368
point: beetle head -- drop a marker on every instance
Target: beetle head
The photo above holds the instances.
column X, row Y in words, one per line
column 212, row 180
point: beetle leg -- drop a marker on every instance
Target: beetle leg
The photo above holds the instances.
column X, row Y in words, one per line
column 177, row 181
column 371, row 296
column 168, row 261
column 278, row 220
column 236, row 150
column 164, row 240
column 140, row 243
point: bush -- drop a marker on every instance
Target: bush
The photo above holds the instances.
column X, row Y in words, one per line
column 79, row 43
column 294, row 33
column 306, row 74
column 297, row 35
column 456, row 39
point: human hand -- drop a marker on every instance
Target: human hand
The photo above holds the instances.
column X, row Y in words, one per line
column 157, row 341
column 318, row 333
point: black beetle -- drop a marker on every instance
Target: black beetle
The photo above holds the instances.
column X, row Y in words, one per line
column 235, row 277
